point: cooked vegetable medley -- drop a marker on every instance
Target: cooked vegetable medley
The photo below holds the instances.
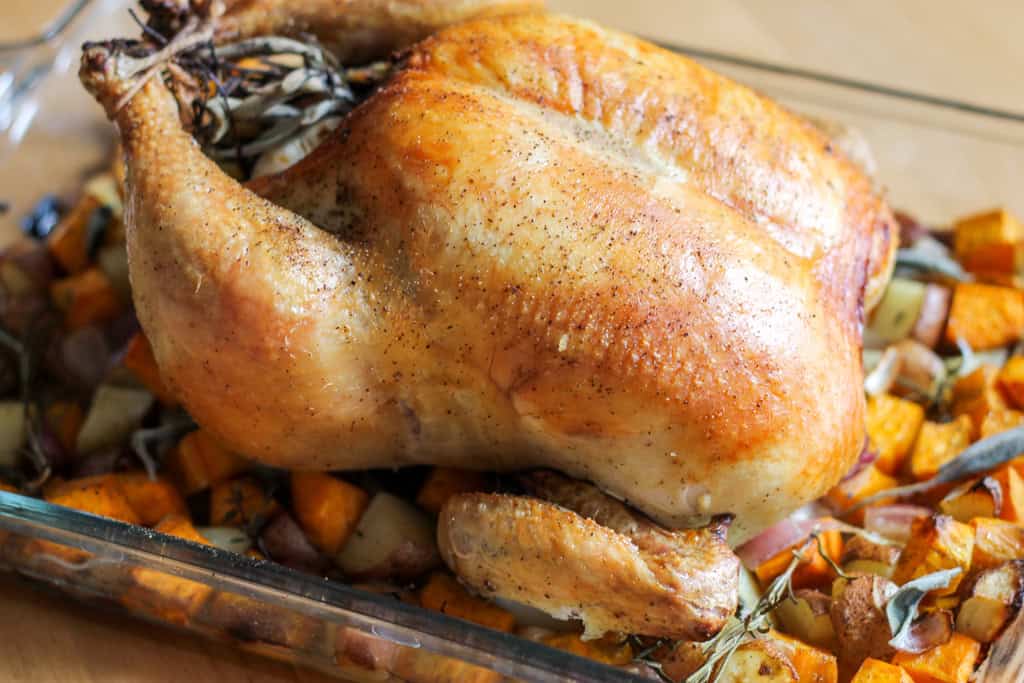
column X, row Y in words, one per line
column 911, row 569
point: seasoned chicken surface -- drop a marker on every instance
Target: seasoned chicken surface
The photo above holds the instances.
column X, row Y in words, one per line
column 540, row 244
column 584, row 555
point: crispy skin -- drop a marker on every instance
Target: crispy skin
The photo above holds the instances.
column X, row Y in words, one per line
column 636, row 578
column 357, row 30
column 554, row 246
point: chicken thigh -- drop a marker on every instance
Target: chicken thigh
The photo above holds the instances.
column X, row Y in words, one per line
column 540, row 243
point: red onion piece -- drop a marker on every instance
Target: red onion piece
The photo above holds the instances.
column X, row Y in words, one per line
column 777, row 538
column 867, row 456
column 893, row 521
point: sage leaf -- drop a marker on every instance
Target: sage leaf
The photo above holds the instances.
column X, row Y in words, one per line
column 901, row 610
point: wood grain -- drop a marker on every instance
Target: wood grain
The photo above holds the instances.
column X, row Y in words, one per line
column 941, row 47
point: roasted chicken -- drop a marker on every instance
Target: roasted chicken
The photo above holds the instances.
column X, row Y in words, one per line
column 539, row 244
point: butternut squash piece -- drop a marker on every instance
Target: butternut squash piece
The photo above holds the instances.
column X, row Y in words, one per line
column 985, row 316
column 989, row 242
column 976, row 395
column 87, row 298
column 67, row 242
column 937, row 444
column 198, row 461
column 995, row 542
column 152, row 499
column 867, row 482
column 101, row 495
column 444, row 482
column 812, row 665
column 240, row 503
column 877, row 671
column 936, row 543
column 327, row 508
column 997, row 421
column 951, row 662
column 442, row 593
column 614, row 654
column 892, row 425
column 814, row 571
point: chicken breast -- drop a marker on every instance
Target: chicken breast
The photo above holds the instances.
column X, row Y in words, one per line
column 540, row 244
column 580, row 554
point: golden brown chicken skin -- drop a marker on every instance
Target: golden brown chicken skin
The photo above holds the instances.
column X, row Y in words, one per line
column 540, row 244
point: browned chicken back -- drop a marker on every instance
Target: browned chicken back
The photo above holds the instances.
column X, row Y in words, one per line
column 541, row 243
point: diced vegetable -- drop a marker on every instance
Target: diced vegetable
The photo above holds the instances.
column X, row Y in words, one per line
column 895, row 315
column 976, row 395
column 100, row 495
column 12, row 431
column 892, row 425
column 1011, row 380
column 936, row 543
column 152, row 499
column 860, row 549
column 65, row 419
column 952, row 662
column 229, row 538
column 937, row 444
column 198, row 461
column 114, row 414
column 327, row 508
column 981, row 497
column 442, row 593
column 810, row 663
column 813, row 571
column 759, row 660
column 393, row 540
column 444, row 482
column 807, row 617
column 1012, row 485
column 67, row 242
column 286, row 543
column 989, row 242
column 931, row 320
column 998, row 421
column 86, row 299
column 994, row 599
column 240, row 502
column 858, row 616
column 138, row 357
column 877, row 671
column 985, row 316
column 867, row 482
column 995, row 542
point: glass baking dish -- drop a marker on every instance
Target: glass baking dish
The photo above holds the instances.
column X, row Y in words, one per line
column 936, row 158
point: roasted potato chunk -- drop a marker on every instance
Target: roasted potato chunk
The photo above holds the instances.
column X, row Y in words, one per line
column 993, row 600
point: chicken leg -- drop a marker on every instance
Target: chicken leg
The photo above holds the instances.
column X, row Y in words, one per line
column 539, row 244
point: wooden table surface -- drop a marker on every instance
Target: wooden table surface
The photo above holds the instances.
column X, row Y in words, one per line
column 941, row 47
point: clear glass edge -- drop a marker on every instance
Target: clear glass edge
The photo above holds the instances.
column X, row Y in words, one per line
column 275, row 584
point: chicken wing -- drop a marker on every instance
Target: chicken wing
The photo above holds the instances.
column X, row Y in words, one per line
column 539, row 244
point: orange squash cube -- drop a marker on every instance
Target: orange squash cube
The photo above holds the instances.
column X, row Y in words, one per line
column 198, row 461
column 67, row 242
column 877, row 671
column 442, row 593
column 892, row 425
column 812, row 664
column 976, row 395
column 998, row 421
column 614, row 654
column 152, row 499
column 240, row 502
column 937, row 444
column 989, row 242
column 101, row 495
column 936, row 543
column 327, row 508
column 85, row 299
column 867, row 482
column 444, row 482
column 1012, row 485
column 813, row 570
column 951, row 662
column 995, row 541
column 1011, row 381
column 985, row 316
column 978, row 498
column 139, row 359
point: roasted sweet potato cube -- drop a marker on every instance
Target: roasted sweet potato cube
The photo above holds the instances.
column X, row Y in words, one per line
column 101, row 495
column 867, row 482
column 977, row 395
column 995, row 542
column 327, row 508
column 1011, row 381
column 813, row 571
column 994, row 598
column 152, row 499
column 442, row 593
column 989, row 242
column 164, row 596
column 997, row 421
column 938, row 443
column 812, row 664
column 892, row 425
column 877, row 671
column 199, row 461
column 951, row 662
column 240, row 502
column 936, row 543
column 1012, row 485
column 606, row 651
column 139, row 359
column 444, row 482
column 977, row 498
column 67, row 242
column 985, row 316
column 86, row 298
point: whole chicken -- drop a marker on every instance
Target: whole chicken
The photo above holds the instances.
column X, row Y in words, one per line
column 539, row 243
